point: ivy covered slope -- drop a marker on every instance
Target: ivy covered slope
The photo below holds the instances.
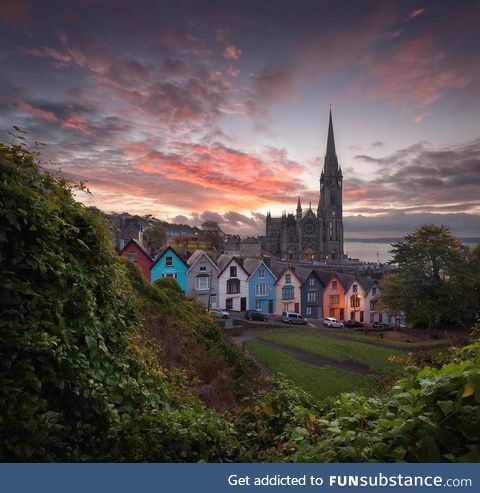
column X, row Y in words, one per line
column 77, row 379
column 431, row 415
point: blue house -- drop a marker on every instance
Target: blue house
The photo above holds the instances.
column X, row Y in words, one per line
column 261, row 286
column 169, row 264
column 312, row 291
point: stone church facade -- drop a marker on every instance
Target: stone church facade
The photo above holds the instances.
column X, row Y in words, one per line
column 309, row 235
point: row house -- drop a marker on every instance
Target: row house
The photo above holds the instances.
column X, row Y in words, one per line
column 261, row 286
column 136, row 253
column 202, row 278
column 312, row 294
column 170, row 264
column 232, row 283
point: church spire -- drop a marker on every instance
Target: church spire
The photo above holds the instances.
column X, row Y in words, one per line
column 331, row 139
column 331, row 162
column 299, row 208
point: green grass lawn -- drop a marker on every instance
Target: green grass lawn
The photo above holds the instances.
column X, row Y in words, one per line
column 340, row 350
column 360, row 337
column 320, row 382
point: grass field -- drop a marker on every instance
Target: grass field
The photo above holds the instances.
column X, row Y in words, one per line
column 341, row 350
column 320, row 382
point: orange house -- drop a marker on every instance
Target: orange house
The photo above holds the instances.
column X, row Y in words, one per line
column 334, row 299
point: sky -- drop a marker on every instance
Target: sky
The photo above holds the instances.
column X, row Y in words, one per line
column 218, row 110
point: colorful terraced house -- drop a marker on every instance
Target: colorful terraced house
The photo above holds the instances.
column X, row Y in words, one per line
column 169, row 264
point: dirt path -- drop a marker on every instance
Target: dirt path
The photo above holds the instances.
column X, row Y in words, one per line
column 315, row 360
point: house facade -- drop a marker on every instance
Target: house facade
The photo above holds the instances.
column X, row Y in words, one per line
column 135, row 252
column 312, row 292
column 261, row 286
column 232, row 283
column 202, row 279
column 169, row 264
column 288, row 291
column 356, row 303
column 334, row 298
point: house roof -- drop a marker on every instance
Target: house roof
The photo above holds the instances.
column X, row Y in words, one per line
column 197, row 255
column 252, row 264
column 323, row 276
column 250, row 240
column 224, row 260
column 161, row 254
column 142, row 248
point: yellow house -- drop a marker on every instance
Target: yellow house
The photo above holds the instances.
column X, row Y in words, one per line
column 288, row 291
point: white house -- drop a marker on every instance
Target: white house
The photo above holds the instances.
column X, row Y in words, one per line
column 356, row 303
column 232, row 283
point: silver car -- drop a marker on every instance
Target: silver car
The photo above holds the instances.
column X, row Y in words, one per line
column 293, row 318
column 219, row 313
column 332, row 322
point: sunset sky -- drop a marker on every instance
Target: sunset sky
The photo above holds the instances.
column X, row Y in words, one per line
column 194, row 110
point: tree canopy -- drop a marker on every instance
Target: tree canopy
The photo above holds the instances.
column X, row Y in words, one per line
column 433, row 282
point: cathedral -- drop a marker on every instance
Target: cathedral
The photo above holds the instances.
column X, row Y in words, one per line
column 306, row 235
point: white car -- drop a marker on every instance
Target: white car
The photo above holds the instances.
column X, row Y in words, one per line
column 219, row 313
column 332, row 322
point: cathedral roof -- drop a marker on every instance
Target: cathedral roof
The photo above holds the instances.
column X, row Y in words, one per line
column 331, row 139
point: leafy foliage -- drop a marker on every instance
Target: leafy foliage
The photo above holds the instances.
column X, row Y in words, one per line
column 76, row 379
column 434, row 284
column 431, row 415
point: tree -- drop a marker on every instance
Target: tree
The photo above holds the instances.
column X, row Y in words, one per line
column 213, row 234
column 431, row 283
column 155, row 236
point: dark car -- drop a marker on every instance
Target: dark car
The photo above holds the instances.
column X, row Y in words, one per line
column 256, row 315
column 352, row 324
column 380, row 325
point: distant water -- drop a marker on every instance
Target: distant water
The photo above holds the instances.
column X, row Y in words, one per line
column 367, row 250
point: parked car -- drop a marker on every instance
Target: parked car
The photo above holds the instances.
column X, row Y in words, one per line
column 293, row 318
column 332, row 322
column 256, row 315
column 220, row 313
column 352, row 324
column 380, row 325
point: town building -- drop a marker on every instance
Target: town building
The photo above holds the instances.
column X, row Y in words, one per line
column 261, row 286
column 137, row 254
column 202, row 278
column 170, row 264
column 232, row 283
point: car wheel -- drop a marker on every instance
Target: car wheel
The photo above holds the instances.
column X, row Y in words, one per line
column 290, row 322
column 265, row 319
column 305, row 323
column 249, row 318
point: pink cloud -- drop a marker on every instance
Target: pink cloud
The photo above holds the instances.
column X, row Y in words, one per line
column 37, row 112
column 231, row 52
column 416, row 13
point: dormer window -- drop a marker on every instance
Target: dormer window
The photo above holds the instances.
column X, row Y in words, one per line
column 233, row 271
column 334, row 284
column 261, row 273
column 374, row 291
column 168, row 261
column 288, row 278
column 355, row 288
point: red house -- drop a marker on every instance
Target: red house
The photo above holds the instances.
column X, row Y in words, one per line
column 136, row 253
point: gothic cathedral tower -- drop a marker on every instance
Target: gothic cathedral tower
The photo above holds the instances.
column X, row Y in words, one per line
column 329, row 212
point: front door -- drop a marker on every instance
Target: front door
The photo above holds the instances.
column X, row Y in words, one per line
column 297, row 307
column 243, row 304
column 361, row 316
column 270, row 306
column 342, row 314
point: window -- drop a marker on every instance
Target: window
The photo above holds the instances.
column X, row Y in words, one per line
column 285, row 306
column 311, row 296
column 311, row 282
column 354, row 288
column 258, row 305
column 229, row 303
column 288, row 278
column 354, row 301
column 233, row 286
column 372, row 318
column 202, row 283
column 334, row 284
column 261, row 290
column 334, row 299
column 332, row 312
column 233, row 271
column 173, row 275
column 203, row 268
column 261, row 273
column 309, row 311
column 132, row 256
column 168, row 261
column 287, row 293
column 372, row 305
column 374, row 291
